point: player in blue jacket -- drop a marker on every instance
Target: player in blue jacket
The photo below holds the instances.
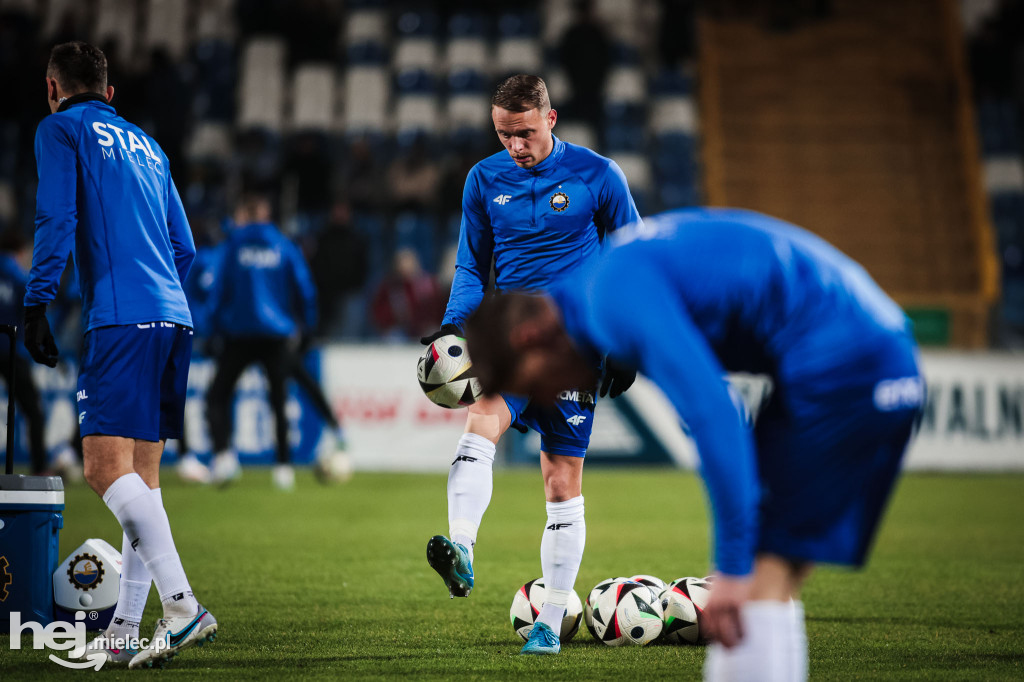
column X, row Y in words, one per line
column 263, row 300
column 105, row 190
column 539, row 210
column 684, row 298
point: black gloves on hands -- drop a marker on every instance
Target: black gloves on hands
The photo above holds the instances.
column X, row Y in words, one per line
column 38, row 337
column 617, row 378
column 445, row 330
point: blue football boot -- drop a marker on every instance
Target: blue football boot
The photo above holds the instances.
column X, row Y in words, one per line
column 543, row 641
column 451, row 561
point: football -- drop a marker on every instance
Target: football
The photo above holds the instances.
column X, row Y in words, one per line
column 627, row 613
column 656, row 584
column 445, row 373
column 333, row 467
column 682, row 603
column 526, row 607
column 588, row 606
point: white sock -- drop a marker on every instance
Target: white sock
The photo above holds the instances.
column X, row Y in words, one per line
column 140, row 512
column 765, row 654
column 469, row 488
column 561, row 551
column 133, row 590
column 798, row 643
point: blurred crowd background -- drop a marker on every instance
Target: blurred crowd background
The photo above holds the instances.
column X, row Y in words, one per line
column 892, row 127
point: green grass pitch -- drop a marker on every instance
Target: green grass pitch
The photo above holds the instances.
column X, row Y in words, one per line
column 333, row 582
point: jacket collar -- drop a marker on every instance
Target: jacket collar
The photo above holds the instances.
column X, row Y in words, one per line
column 82, row 97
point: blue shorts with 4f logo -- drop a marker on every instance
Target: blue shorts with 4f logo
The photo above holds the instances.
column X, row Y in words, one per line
column 564, row 427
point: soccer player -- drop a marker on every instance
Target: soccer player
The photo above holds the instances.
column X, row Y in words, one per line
column 263, row 299
column 711, row 290
column 105, row 189
column 539, row 209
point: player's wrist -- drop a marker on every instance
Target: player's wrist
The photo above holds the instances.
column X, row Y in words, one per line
column 34, row 312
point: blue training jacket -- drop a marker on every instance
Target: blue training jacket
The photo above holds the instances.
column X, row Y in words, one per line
column 710, row 290
column 538, row 224
column 105, row 188
column 261, row 286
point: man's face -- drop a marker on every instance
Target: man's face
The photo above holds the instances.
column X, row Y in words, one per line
column 526, row 135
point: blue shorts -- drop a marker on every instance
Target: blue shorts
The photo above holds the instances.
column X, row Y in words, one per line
column 133, row 380
column 829, row 455
column 564, row 427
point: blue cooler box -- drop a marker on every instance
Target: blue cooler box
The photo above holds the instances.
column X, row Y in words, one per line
column 30, row 523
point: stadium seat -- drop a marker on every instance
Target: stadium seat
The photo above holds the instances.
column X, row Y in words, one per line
column 366, row 26
column 467, row 25
column 115, row 20
column 637, row 170
column 1004, row 174
column 415, row 81
column 417, row 22
column 468, row 111
column 416, row 114
column 214, row 21
column 417, row 53
column 313, row 97
column 367, row 89
column 165, row 27
column 577, row 133
column 671, row 82
column 558, row 87
column 216, row 79
column 467, row 81
column 210, row 141
column 518, row 25
column 467, row 53
column 556, row 16
column 518, row 55
column 262, row 87
column 673, row 114
column 626, row 84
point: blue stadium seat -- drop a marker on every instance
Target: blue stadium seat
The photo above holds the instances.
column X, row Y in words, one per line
column 671, row 82
column 417, row 22
column 467, row 81
column 367, row 54
column 518, row 25
column 415, row 82
column 467, row 25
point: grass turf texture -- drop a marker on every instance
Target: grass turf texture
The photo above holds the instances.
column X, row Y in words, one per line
column 333, row 582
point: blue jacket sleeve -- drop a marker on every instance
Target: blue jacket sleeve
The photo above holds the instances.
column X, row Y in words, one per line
column 56, row 209
column 473, row 259
column 638, row 320
column 616, row 207
column 180, row 233
column 303, row 280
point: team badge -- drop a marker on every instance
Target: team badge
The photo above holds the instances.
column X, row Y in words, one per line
column 85, row 572
column 5, row 578
column 559, row 201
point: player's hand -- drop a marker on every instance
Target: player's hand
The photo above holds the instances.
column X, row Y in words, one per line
column 617, row 378
column 445, row 330
column 38, row 337
column 722, row 614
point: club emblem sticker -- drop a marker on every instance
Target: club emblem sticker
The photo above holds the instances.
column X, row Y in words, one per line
column 85, row 572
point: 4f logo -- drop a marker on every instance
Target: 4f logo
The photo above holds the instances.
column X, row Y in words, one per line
column 502, row 199
column 464, row 458
column 558, row 526
column 576, row 419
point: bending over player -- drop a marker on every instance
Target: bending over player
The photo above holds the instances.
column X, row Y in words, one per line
column 539, row 209
column 810, row 483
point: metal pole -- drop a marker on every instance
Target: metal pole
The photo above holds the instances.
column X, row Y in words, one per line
column 12, row 334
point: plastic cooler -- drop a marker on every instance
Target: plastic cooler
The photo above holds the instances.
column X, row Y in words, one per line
column 30, row 523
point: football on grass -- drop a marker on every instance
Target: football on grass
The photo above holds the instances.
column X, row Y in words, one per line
column 526, row 606
column 683, row 602
column 445, row 373
column 627, row 613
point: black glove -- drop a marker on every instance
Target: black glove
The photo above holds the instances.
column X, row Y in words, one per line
column 445, row 330
column 617, row 378
column 38, row 337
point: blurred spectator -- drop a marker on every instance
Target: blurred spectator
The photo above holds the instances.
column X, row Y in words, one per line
column 15, row 254
column 414, row 179
column 362, row 177
column 585, row 53
column 340, row 265
column 408, row 302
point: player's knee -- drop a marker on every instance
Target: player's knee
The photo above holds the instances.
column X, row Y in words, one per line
column 97, row 475
column 560, row 485
column 488, row 418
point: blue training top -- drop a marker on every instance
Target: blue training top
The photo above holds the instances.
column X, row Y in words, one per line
column 710, row 290
column 261, row 286
column 105, row 186
column 538, row 224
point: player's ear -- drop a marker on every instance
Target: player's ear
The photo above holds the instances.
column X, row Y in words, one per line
column 110, row 93
column 552, row 118
column 51, row 89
